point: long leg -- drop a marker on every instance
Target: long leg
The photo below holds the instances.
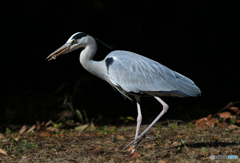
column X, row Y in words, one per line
column 139, row 117
column 137, row 140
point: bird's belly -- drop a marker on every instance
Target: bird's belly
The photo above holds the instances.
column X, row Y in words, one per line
column 141, row 94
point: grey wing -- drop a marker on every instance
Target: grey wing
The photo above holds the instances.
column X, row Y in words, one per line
column 135, row 73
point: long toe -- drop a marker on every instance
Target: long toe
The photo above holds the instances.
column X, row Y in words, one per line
column 135, row 145
column 135, row 142
column 130, row 144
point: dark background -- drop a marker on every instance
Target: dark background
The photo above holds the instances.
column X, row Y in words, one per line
column 198, row 39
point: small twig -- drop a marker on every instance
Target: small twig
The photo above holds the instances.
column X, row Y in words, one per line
column 236, row 102
column 226, row 107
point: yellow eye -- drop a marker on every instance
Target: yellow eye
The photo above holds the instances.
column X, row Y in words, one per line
column 74, row 41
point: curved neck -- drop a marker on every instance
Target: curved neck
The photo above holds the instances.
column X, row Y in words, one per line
column 86, row 56
column 88, row 52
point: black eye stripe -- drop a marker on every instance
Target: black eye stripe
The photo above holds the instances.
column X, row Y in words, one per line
column 79, row 35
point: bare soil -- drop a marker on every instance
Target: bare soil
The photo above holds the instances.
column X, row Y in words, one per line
column 173, row 143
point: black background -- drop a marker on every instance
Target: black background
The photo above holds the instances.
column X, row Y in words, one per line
column 199, row 39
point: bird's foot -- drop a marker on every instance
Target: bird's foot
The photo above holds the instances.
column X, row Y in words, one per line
column 135, row 142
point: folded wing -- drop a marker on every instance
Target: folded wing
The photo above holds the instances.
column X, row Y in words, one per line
column 136, row 73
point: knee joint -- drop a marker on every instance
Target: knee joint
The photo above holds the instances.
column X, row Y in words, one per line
column 139, row 119
column 165, row 107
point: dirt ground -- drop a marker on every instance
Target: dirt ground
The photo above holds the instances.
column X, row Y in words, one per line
column 174, row 143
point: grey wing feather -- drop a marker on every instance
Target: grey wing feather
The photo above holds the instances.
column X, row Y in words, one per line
column 136, row 73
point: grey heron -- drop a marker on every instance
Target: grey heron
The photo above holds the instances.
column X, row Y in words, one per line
column 131, row 74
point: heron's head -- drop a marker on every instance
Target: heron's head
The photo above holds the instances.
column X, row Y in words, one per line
column 76, row 41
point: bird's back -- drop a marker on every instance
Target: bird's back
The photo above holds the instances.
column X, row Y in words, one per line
column 134, row 73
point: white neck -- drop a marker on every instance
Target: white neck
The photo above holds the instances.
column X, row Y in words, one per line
column 87, row 55
column 88, row 52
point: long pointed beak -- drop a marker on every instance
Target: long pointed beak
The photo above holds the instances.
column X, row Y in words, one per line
column 59, row 51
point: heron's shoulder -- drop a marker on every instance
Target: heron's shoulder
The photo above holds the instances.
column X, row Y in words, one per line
column 122, row 55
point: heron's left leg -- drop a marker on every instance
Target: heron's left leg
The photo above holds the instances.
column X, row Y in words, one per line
column 139, row 117
column 137, row 140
